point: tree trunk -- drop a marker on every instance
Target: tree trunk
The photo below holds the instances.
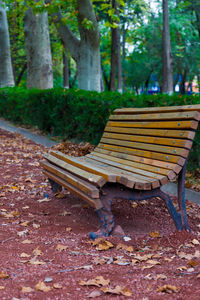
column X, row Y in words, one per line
column 116, row 64
column 6, row 72
column 65, row 69
column 38, row 51
column 85, row 51
column 183, row 81
column 167, row 85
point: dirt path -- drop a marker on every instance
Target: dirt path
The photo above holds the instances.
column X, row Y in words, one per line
column 45, row 252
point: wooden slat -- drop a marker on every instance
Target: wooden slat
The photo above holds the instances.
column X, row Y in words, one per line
column 147, row 147
column 84, row 186
column 93, row 178
column 182, row 134
column 134, row 179
column 78, row 162
column 141, row 160
column 151, row 140
column 96, row 203
column 195, row 107
column 125, row 167
column 152, row 155
column 193, row 115
column 156, row 124
column 143, row 167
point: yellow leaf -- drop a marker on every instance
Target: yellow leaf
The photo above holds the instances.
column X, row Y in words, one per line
column 57, row 286
column 24, row 255
column 68, row 229
column 193, row 263
column 154, row 234
column 3, row 275
column 104, row 245
column 60, row 247
column 167, row 288
column 26, row 289
column 41, row 286
column 97, row 281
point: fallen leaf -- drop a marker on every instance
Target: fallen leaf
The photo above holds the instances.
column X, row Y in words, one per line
column 26, row 289
column 192, row 263
column 60, row 195
column 34, row 261
column 118, row 290
column 25, row 207
column 134, row 204
column 95, row 294
column 104, row 245
column 22, row 233
column 24, row 255
column 154, row 234
column 161, row 276
column 65, row 213
column 37, row 252
column 36, row 226
column 99, row 261
column 3, row 275
column 125, row 247
column 195, row 242
column 48, row 279
column 198, row 276
column 153, row 262
column 41, row 286
column 44, row 200
column 2, row 287
column 27, row 242
column 143, row 257
column 60, row 247
column 26, row 223
column 167, row 288
column 148, row 277
column 122, row 262
column 182, row 268
column 57, row 286
column 147, row 267
column 68, row 229
column 97, row 281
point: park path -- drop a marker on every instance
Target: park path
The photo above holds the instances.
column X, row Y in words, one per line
column 45, row 252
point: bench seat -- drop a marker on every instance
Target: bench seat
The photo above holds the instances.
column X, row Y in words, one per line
column 141, row 149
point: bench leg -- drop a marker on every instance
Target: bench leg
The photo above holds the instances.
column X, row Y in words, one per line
column 106, row 218
column 172, row 211
column 56, row 188
column 181, row 198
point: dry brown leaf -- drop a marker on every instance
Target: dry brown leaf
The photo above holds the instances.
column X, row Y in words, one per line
column 193, row 263
column 65, row 213
column 195, row 242
column 134, row 261
column 34, row 261
column 60, row 195
column 143, row 257
column 118, row 290
column 198, row 276
column 134, row 204
column 125, row 247
column 25, row 224
column 3, row 275
column 60, row 247
column 161, row 276
column 99, row 261
column 57, row 286
column 22, row 233
column 154, row 234
column 41, row 286
column 2, row 287
column 26, row 289
column 104, row 245
column 147, row 267
column 153, row 262
column 23, row 254
column 95, row 294
column 44, row 200
column 168, row 288
column 36, row 226
column 181, row 268
column 97, row 281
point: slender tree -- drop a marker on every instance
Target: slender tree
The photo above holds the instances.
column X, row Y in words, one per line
column 167, row 84
column 6, row 72
column 39, row 61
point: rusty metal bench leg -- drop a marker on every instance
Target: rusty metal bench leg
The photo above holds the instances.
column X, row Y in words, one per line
column 56, row 188
column 172, row 211
column 181, row 198
column 106, row 218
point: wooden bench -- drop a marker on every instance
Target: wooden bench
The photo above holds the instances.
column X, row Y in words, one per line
column 141, row 149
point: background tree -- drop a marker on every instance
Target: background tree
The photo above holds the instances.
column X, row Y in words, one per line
column 6, row 72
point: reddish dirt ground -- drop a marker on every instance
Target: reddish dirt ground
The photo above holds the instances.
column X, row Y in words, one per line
column 45, row 252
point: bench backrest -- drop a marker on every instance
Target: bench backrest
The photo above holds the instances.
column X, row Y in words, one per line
column 155, row 139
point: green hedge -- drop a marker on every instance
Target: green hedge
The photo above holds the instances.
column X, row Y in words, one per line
column 76, row 114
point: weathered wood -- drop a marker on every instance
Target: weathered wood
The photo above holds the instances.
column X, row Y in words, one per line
column 150, row 140
column 155, row 124
column 84, row 186
column 79, row 162
column 147, row 147
column 90, row 177
column 141, row 160
column 167, row 133
column 96, row 203
column 143, row 167
column 195, row 107
column 152, row 155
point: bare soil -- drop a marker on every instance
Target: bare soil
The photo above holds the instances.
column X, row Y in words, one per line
column 45, row 252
